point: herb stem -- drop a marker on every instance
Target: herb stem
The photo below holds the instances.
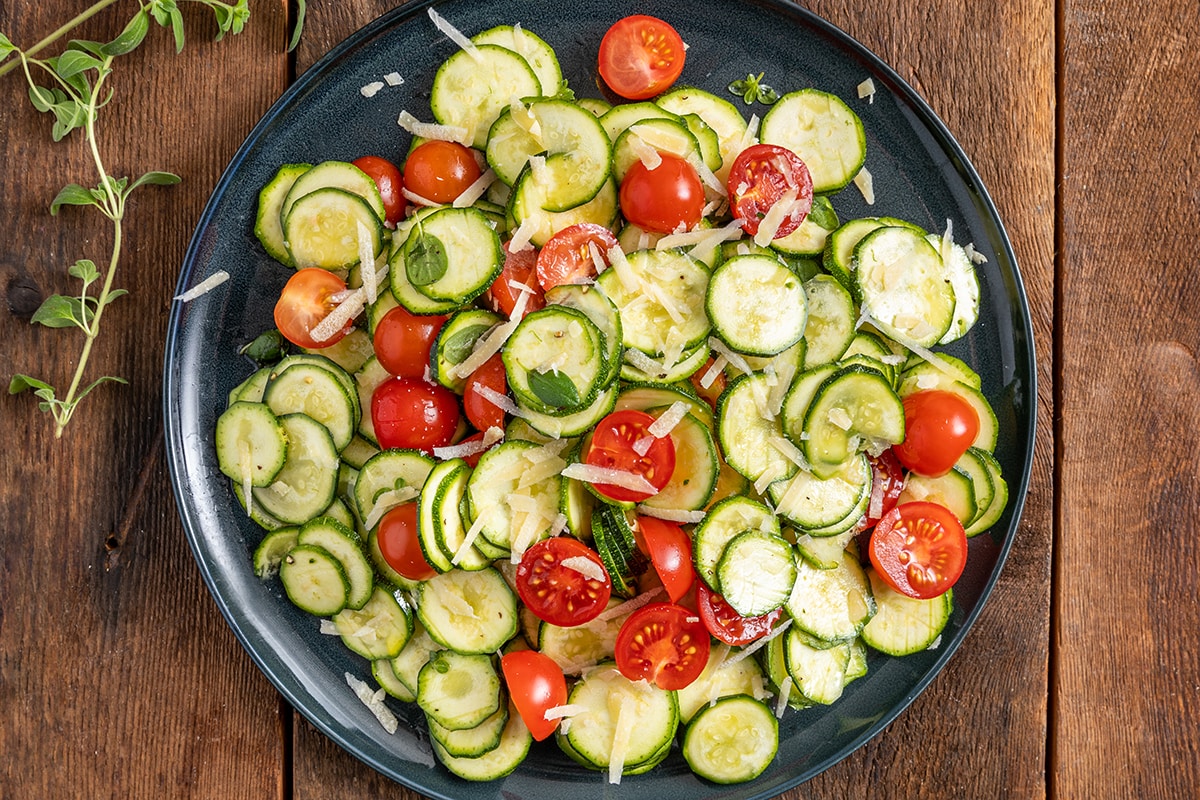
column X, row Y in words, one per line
column 64, row 29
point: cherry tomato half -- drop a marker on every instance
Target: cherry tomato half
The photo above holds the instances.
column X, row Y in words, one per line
column 411, row 413
column 520, row 268
column 726, row 624
column 482, row 412
column 664, row 644
column 304, row 302
column 440, row 171
column 567, row 257
column 919, row 549
column 939, row 426
column 612, row 446
column 390, row 181
column 664, row 198
column 759, row 178
column 640, row 57
column 536, row 684
column 400, row 544
column 670, row 551
column 403, row 341
column 887, row 482
column 558, row 592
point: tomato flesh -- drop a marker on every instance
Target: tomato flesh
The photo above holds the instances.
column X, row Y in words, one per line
column 887, row 482
column 640, row 57
column 306, row 299
column 400, row 544
column 919, row 549
column 403, row 341
column 390, row 180
column 712, row 392
column 536, row 684
column 760, row 177
column 613, row 446
column 662, row 643
column 670, row 551
column 413, row 414
column 440, row 171
column 482, row 412
column 520, row 270
column 939, row 426
column 726, row 624
column 560, row 593
column 665, row 198
column 567, row 257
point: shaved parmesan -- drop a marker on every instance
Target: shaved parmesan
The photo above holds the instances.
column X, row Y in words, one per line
column 374, row 702
column 785, row 689
column 389, row 500
column 525, row 120
column 623, row 730
column 522, row 235
column 974, row 255
column 866, row 185
column 585, row 567
column 328, row 628
column 645, row 363
column 625, row 273
column 709, row 178
column 789, row 450
column 527, row 533
column 628, row 607
column 840, row 418
column 540, row 471
column 469, row 447
column 490, row 344
column 671, row 514
column 417, row 199
column 394, row 79
column 456, row 36
column 558, row 525
column 767, row 478
column 642, row 445
column 432, row 130
column 713, row 372
column 568, row 710
column 751, row 134
column 607, row 475
column 757, row 644
column 371, row 89
column 204, row 287
column 780, row 210
column 475, row 190
column 340, row 316
column 456, row 604
column 366, row 256
column 701, row 239
column 735, row 359
column 468, row 542
column 667, row 421
column 648, row 155
column 867, row 89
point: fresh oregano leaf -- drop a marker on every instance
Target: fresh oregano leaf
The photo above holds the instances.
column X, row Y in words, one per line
column 822, row 213
column 114, row 294
column 457, row 347
column 7, row 48
column 41, row 98
column 97, row 382
column 88, row 46
column 266, row 348
column 73, row 62
column 129, row 39
column 300, row 12
column 59, row 311
column 154, row 179
column 84, row 269
column 554, row 389
column 23, row 383
column 425, row 259
column 72, row 195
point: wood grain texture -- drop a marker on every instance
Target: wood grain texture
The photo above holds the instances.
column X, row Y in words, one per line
column 118, row 678
column 1127, row 684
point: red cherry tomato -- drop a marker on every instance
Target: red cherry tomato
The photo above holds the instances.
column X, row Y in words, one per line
column 726, row 624
column 759, row 178
column 305, row 301
column 670, row 551
column 664, row 198
column 919, row 549
column 400, row 545
column 887, row 482
column 939, row 426
column 440, row 171
column 390, row 181
column 536, row 684
column 520, row 268
column 640, row 57
column 403, row 341
column 482, row 412
column 712, row 392
column 664, row 644
column 558, row 592
column 612, row 446
column 411, row 413
column 567, row 257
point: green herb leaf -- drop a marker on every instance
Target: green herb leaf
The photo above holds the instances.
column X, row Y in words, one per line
column 59, row 311
column 266, row 348
column 73, row 62
column 114, row 294
column 300, row 12
column 565, row 92
column 41, row 98
column 23, row 383
column 154, row 179
column 554, row 389
column 72, row 195
column 751, row 88
column 68, row 116
column 7, row 48
column 88, row 46
column 177, row 28
column 822, row 213
column 425, row 259
column 456, row 348
column 129, row 39
column 97, row 382
column 84, row 269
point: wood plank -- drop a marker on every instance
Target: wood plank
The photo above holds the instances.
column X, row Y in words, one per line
column 1127, row 680
column 118, row 678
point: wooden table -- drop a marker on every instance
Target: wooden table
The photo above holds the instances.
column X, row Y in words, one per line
column 119, row 678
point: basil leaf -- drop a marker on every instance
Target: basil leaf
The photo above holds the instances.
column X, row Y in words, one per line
column 554, row 389
column 822, row 213
column 457, row 347
column 266, row 348
column 425, row 259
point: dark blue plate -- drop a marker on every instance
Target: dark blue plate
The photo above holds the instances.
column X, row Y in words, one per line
column 920, row 174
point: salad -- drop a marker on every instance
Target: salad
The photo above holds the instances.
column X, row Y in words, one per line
column 594, row 422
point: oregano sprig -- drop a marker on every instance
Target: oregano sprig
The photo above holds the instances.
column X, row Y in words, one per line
column 71, row 87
